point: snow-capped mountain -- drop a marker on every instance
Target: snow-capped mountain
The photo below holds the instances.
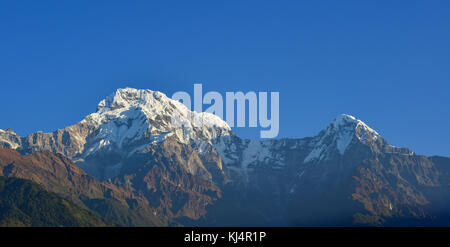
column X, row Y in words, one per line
column 339, row 135
column 131, row 123
column 190, row 165
column 130, row 115
column 125, row 123
column 130, row 120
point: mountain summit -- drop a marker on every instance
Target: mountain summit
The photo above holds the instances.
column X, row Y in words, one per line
column 130, row 118
column 153, row 105
column 344, row 131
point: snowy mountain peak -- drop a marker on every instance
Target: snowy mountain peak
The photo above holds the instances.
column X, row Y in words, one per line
column 154, row 106
column 344, row 119
column 130, row 119
column 347, row 121
column 126, row 97
column 339, row 135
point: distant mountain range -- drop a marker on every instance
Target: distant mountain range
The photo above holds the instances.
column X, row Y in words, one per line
column 128, row 164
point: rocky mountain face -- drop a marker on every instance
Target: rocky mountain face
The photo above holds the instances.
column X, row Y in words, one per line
column 206, row 175
column 58, row 174
column 9, row 139
column 348, row 174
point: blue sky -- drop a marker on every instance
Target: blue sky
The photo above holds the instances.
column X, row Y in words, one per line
column 385, row 62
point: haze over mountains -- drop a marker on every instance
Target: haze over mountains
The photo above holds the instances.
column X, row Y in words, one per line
column 130, row 165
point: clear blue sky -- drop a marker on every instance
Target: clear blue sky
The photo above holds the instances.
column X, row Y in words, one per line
column 385, row 62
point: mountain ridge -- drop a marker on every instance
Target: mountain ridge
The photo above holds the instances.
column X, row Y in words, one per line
column 187, row 172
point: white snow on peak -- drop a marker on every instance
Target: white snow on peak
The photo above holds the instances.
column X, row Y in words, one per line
column 153, row 104
column 345, row 120
column 346, row 125
column 10, row 137
column 340, row 133
column 131, row 115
